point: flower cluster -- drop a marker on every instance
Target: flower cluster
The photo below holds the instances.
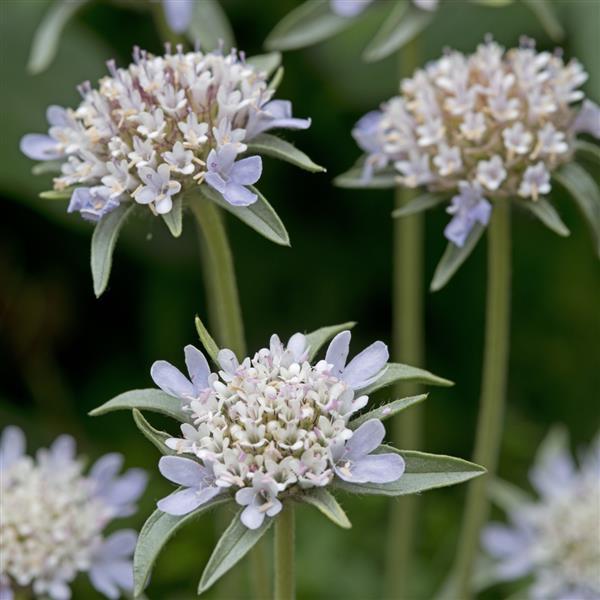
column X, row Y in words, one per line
column 494, row 124
column 352, row 8
column 273, row 425
column 53, row 517
column 556, row 538
column 161, row 126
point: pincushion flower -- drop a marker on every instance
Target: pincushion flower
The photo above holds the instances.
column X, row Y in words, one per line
column 185, row 125
column 54, row 516
column 276, row 428
column 553, row 537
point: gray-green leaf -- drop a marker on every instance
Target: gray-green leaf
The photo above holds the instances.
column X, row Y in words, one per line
column 276, row 79
column 403, row 24
column 48, row 166
column 156, row 437
column 48, row 34
column 547, row 214
column 419, row 204
column 576, row 180
column 327, row 504
column 210, row 26
column 234, row 544
column 267, row 63
column 545, row 14
column 104, row 239
column 353, row 178
column 399, row 373
column 423, row 472
column 385, row 411
column 260, row 216
column 57, row 194
column 271, row 145
column 310, row 23
column 317, row 338
column 207, row 340
column 150, row 399
column 174, row 218
column 156, row 532
column 454, row 257
column 587, row 150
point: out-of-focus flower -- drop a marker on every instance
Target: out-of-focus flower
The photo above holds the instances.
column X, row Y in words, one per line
column 554, row 538
column 53, row 517
column 178, row 14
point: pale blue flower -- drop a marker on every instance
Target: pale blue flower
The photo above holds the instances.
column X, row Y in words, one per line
column 260, row 501
column 349, row 8
column 588, row 119
column 367, row 133
column 92, row 202
column 38, row 146
column 468, row 207
column 178, row 14
column 276, row 114
column 230, row 177
column 158, row 188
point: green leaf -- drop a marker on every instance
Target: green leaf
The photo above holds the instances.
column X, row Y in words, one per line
column 276, row 79
column 423, row 472
column 260, row 216
column 156, row 437
column 48, row 166
column 210, row 26
column 397, row 372
column 103, row 243
column 545, row 14
column 156, row 532
column 327, row 504
column 385, row 411
column 207, row 340
column 57, row 194
column 403, row 24
column 48, row 34
column 266, row 62
column 507, row 495
column 419, row 204
column 547, row 214
column 454, row 257
column 317, row 338
column 310, row 23
column 497, row 3
column 576, row 180
column 150, row 399
column 353, row 178
column 174, row 218
column 234, row 544
column 271, row 145
column 588, row 150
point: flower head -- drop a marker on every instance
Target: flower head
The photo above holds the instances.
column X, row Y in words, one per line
column 491, row 125
column 554, row 538
column 54, row 516
column 273, row 425
column 161, row 126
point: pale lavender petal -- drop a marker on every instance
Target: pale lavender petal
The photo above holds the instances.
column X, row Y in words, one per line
column 6, row 592
column 275, row 508
column 171, row 380
column 62, row 449
column 119, row 544
column 588, row 119
column 215, row 181
column 378, row 468
column 366, row 365
column 278, row 109
column 252, row 517
column 124, row 491
column 501, row 541
column 247, row 171
column 349, row 8
column 198, row 367
column 107, row 577
column 238, row 195
column 553, row 474
column 59, row 590
column 245, row 496
column 180, row 502
column 337, row 352
column 106, row 468
column 12, row 446
column 178, row 14
column 297, row 346
column 183, row 471
column 365, row 132
column 365, row 439
column 458, row 230
column 57, row 116
column 38, row 146
column 228, row 361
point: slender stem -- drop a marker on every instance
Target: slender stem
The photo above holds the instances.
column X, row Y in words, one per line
column 493, row 393
column 285, row 587
column 407, row 348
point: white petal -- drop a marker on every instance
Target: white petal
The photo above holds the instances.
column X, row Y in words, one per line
column 365, row 439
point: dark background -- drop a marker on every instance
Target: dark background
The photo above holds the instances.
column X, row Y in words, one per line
column 64, row 352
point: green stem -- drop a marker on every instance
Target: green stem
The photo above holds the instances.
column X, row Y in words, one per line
column 493, row 393
column 284, row 554
column 407, row 348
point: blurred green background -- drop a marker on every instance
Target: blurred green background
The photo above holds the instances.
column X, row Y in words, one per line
column 64, row 352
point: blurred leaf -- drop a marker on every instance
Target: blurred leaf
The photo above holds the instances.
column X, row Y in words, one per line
column 260, row 216
column 507, row 495
column 210, row 26
column 156, row 532
column 271, row 145
column 576, row 180
column 150, row 399
column 327, row 504
column 48, row 166
column 57, row 194
column 403, row 24
column 174, row 218
column 423, row 472
column 547, row 214
column 104, row 240
column 454, row 257
column 396, row 372
column 207, row 340
column 233, row 545
column 386, row 410
column 266, row 62
column 545, row 14
column 419, row 204
column 49, row 32
column 353, row 178
column 310, row 23
column 156, row 437
column 588, row 150
column 498, row 3
column 317, row 338
column 276, row 79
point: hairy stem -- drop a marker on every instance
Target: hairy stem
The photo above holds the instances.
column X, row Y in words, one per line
column 285, row 588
